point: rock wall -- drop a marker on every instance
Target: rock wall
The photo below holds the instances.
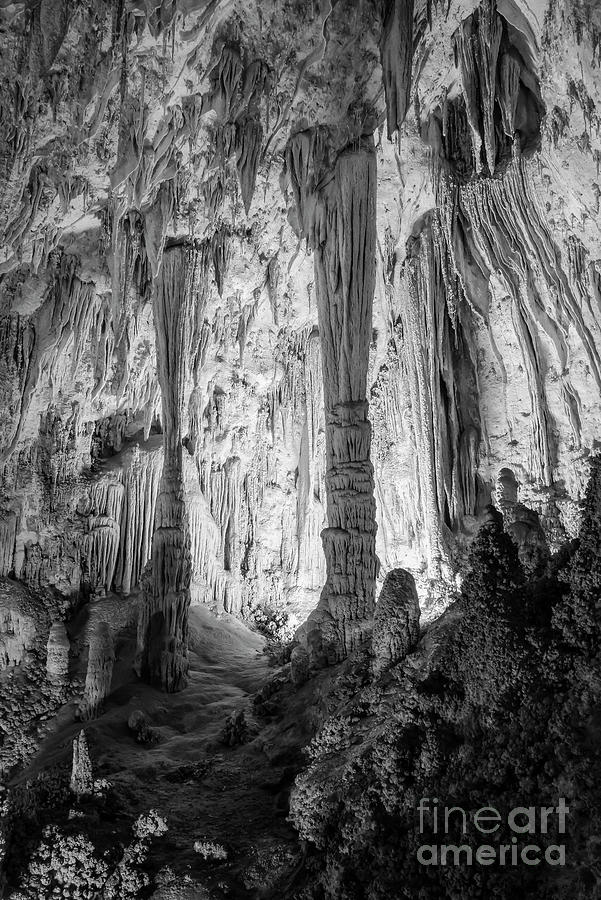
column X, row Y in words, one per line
column 133, row 136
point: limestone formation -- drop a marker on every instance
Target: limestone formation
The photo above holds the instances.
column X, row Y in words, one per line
column 446, row 422
column 99, row 673
column 168, row 127
column 342, row 229
column 163, row 625
column 24, row 624
column 57, row 653
column 235, row 730
column 8, row 532
column 396, row 51
column 283, row 287
column 138, row 724
column 483, row 344
column 299, row 665
column 396, row 620
column 81, row 770
column 17, row 636
column 522, row 523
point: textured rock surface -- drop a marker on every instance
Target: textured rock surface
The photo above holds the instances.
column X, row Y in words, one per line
column 23, row 624
column 57, row 653
column 396, row 621
column 170, row 128
column 471, row 712
column 290, row 294
column 81, row 769
column 99, row 673
column 163, row 623
column 342, row 228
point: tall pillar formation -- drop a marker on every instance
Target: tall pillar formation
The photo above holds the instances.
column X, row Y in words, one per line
column 344, row 237
column 162, row 657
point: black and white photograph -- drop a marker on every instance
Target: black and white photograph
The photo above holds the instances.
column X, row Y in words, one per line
column 300, row 450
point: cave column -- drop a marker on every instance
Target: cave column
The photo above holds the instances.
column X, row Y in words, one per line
column 345, row 282
column 162, row 657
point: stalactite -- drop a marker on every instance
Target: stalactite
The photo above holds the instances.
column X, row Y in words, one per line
column 221, row 251
column 61, row 449
column 8, row 534
column 495, row 212
column 163, row 625
column 273, row 284
column 396, row 53
column 296, row 415
column 208, row 581
column 467, row 64
column 495, row 84
column 156, row 223
column 141, row 478
column 510, row 88
column 159, row 16
column 249, row 139
column 438, row 360
column 248, row 313
column 101, row 548
column 221, row 486
column 227, row 79
column 213, row 191
column 489, row 40
column 307, row 160
column 71, row 318
column 101, row 543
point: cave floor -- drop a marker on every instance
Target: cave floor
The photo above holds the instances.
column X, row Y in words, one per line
column 235, row 797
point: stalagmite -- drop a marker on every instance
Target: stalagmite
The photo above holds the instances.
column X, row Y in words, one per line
column 162, row 657
column 57, row 654
column 82, row 782
column 299, row 665
column 344, row 235
column 99, row 673
column 522, row 523
column 396, row 620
